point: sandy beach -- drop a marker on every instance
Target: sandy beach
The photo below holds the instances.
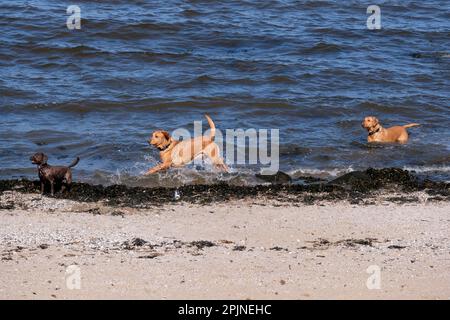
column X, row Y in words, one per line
column 237, row 249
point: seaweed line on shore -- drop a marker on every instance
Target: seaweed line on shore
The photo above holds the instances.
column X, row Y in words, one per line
column 354, row 187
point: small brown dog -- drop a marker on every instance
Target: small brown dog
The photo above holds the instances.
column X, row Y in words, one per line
column 179, row 153
column 52, row 174
column 379, row 134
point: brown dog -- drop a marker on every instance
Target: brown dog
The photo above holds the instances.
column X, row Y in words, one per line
column 179, row 153
column 379, row 134
column 52, row 174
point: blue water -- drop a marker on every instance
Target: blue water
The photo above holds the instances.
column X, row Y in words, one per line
column 311, row 69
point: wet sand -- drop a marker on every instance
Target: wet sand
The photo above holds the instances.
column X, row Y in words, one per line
column 251, row 248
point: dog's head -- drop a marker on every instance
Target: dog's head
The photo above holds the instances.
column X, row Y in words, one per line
column 39, row 158
column 160, row 139
column 370, row 122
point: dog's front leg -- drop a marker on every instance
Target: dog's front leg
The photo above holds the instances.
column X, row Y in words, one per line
column 159, row 167
column 42, row 187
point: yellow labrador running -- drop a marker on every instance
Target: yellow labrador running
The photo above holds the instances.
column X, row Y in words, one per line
column 175, row 153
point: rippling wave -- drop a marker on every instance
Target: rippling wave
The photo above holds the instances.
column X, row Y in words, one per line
column 308, row 68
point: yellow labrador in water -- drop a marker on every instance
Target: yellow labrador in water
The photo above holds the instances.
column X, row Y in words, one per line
column 179, row 153
column 379, row 134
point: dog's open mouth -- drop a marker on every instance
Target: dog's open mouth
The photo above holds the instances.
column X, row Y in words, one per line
column 154, row 144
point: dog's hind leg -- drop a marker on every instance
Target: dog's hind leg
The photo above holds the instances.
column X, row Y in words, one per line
column 212, row 151
column 68, row 182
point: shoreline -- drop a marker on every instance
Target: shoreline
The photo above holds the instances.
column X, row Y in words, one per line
column 358, row 187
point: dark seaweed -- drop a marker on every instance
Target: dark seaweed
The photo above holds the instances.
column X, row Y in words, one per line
column 356, row 187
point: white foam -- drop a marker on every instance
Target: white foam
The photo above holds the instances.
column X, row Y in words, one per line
column 426, row 169
column 321, row 172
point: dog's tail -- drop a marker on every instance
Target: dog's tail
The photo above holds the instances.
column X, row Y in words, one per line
column 212, row 133
column 406, row 126
column 74, row 162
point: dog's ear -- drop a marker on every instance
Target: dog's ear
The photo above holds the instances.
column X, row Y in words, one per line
column 375, row 120
column 166, row 135
column 44, row 159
